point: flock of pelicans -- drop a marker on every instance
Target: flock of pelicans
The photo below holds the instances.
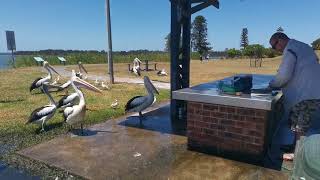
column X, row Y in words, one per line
column 73, row 105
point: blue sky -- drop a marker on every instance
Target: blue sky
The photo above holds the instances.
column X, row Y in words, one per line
column 143, row 24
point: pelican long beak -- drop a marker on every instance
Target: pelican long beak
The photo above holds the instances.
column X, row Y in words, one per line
column 81, row 67
column 49, row 66
column 147, row 80
column 81, row 83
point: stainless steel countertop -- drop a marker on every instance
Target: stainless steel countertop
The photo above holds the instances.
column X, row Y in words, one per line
column 208, row 93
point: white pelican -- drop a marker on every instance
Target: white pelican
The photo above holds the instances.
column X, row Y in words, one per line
column 44, row 113
column 105, row 86
column 97, row 82
column 80, row 73
column 115, row 104
column 140, row 103
column 136, row 67
column 162, row 73
column 75, row 114
column 40, row 81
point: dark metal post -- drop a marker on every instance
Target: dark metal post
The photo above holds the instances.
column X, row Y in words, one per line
column 181, row 11
column 110, row 62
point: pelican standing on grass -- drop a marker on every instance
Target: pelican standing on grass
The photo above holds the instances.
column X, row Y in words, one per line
column 162, row 73
column 80, row 73
column 140, row 103
column 68, row 100
column 136, row 67
column 44, row 113
column 75, row 114
column 40, row 81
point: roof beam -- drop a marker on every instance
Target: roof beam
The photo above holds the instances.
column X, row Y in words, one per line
column 204, row 4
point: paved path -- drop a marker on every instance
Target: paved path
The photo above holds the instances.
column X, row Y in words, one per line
column 162, row 85
column 156, row 149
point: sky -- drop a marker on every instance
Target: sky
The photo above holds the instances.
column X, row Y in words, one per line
column 143, row 24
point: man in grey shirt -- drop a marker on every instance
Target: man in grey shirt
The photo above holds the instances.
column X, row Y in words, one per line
column 298, row 77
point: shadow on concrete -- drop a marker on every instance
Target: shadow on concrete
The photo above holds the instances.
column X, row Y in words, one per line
column 88, row 132
column 157, row 120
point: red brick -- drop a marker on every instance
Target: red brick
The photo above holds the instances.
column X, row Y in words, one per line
column 261, row 113
column 211, row 107
column 234, row 130
column 206, row 113
column 258, row 141
column 226, row 122
column 245, row 111
column 219, row 115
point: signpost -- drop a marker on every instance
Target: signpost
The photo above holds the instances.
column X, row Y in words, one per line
column 11, row 44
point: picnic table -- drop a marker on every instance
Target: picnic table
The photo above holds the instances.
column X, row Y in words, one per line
column 146, row 64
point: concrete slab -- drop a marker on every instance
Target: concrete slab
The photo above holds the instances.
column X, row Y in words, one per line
column 124, row 149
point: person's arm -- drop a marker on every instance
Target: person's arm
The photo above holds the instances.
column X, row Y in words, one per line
column 285, row 70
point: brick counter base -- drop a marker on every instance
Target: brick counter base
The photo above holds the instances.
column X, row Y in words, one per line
column 232, row 132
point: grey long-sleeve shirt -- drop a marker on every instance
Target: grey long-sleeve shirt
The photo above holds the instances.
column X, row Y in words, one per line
column 298, row 75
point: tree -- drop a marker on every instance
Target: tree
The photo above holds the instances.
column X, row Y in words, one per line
column 244, row 41
column 280, row 29
column 167, row 43
column 316, row 44
column 199, row 36
column 232, row 53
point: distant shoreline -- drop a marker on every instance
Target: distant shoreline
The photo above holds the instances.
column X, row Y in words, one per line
column 2, row 53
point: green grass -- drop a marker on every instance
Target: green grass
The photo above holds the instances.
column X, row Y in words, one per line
column 16, row 105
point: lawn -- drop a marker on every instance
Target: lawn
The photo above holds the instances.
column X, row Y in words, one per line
column 16, row 104
column 200, row 72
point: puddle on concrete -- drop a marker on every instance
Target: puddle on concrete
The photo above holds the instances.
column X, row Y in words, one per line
column 9, row 173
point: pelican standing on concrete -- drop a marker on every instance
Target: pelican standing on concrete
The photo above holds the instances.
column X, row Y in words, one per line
column 44, row 113
column 140, row 103
column 40, row 81
column 80, row 73
column 75, row 114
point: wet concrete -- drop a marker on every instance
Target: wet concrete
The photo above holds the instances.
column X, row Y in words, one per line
column 125, row 149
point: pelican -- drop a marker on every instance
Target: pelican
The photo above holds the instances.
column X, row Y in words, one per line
column 75, row 114
column 68, row 100
column 105, row 86
column 44, row 113
column 115, row 104
column 162, row 73
column 81, row 68
column 97, row 82
column 136, row 67
column 40, row 81
column 140, row 103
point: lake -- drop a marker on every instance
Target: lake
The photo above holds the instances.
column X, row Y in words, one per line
column 5, row 59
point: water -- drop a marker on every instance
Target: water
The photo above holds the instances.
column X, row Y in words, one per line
column 12, row 173
column 5, row 60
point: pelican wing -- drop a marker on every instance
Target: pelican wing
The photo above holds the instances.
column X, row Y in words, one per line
column 67, row 99
column 34, row 84
column 67, row 112
column 40, row 112
column 134, row 102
